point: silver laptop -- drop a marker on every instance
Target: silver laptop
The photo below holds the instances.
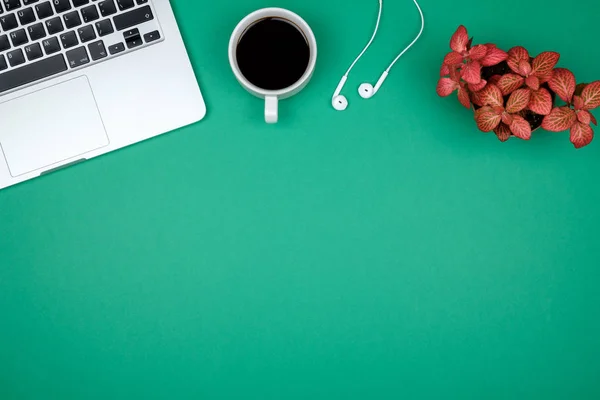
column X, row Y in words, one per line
column 80, row 78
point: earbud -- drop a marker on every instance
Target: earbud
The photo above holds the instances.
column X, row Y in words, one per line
column 339, row 102
column 366, row 90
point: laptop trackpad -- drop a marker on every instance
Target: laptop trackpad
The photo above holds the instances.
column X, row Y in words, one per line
column 51, row 125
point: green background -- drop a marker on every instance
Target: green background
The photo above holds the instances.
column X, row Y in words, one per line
column 389, row 251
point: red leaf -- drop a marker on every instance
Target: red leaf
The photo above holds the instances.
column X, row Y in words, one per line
column 591, row 95
column 563, row 84
column 524, row 68
column 463, row 97
column 594, row 121
column 494, row 56
column 544, row 63
column 509, row 83
column 581, row 135
column 478, row 52
column 578, row 103
column 453, row 58
column 520, row 128
column 507, row 118
column 584, row 117
column 476, row 99
column 446, row 86
column 503, row 132
column 478, row 87
column 518, row 53
column 544, row 78
column 492, row 96
column 459, row 40
column 515, row 56
column 541, row 102
column 533, row 82
column 487, row 119
column 445, row 70
column 560, row 119
column 471, row 72
column 518, row 100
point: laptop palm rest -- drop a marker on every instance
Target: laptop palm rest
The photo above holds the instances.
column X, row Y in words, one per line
column 50, row 126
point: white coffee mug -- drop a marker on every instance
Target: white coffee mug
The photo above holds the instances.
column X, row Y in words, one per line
column 272, row 97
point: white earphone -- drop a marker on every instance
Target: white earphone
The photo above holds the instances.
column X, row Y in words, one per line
column 366, row 90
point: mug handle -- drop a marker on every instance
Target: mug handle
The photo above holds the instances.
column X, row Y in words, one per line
column 271, row 109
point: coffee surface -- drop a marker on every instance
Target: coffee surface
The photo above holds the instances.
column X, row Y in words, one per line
column 273, row 54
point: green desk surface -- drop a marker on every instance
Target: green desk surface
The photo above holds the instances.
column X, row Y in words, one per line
column 388, row 252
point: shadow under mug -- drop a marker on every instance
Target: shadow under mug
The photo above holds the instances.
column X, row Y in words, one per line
column 272, row 97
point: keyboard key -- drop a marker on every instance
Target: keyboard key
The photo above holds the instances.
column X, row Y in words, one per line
column 51, row 45
column 97, row 50
column 116, row 48
column 89, row 13
column 152, row 36
column 36, row 31
column 44, row 10
column 140, row 2
column 107, row 8
column 79, row 3
column 18, row 37
column 104, row 27
column 69, row 39
column 4, row 43
column 61, row 5
column 15, row 58
column 32, row 72
column 134, row 42
column 11, row 4
column 3, row 64
column 72, row 19
column 28, row 2
column 33, row 51
column 133, row 18
column 54, row 25
column 8, row 22
column 125, row 4
column 130, row 33
column 26, row 16
column 77, row 57
column 86, row 33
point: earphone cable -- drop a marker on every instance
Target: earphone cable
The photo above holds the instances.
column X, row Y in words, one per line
column 370, row 41
column 414, row 41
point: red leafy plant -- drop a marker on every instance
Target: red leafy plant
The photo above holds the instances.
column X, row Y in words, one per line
column 513, row 93
column 575, row 115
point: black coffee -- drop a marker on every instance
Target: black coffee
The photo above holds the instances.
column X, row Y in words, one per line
column 273, row 54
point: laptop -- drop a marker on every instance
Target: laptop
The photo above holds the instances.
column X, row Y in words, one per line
column 80, row 78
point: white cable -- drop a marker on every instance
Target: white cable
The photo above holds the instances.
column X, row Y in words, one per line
column 370, row 41
column 414, row 41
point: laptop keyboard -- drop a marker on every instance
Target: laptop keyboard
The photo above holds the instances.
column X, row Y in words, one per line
column 40, row 39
